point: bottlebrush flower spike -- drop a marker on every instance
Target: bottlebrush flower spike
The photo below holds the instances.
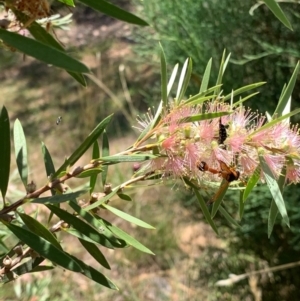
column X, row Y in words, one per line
column 183, row 145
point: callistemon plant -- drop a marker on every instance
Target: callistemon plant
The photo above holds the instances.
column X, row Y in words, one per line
column 206, row 140
column 214, row 140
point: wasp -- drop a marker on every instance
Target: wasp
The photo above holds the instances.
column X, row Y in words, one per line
column 222, row 134
column 227, row 173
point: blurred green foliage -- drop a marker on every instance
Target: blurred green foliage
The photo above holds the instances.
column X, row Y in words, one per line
column 262, row 48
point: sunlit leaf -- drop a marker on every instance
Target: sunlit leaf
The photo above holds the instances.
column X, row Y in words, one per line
column 128, row 217
column 204, row 116
column 164, row 76
column 67, row 2
column 59, row 198
column 114, row 11
column 274, row 189
column 95, row 275
column 81, row 226
column 128, row 158
column 34, row 226
column 252, row 182
column 21, row 151
column 129, row 239
column 96, row 154
column 49, row 166
column 287, row 92
column 44, row 248
column 277, row 11
column 206, row 76
column 5, row 151
column 92, row 137
column 89, row 172
column 95, row 252
column 42, row 52
column 184, row 80
column 105, row 153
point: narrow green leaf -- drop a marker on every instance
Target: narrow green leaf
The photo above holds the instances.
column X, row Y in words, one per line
column 228, row 217
column 81, row 226
column 92, row 137
column 59, row 198
column 129, row 239
column 128, row 217
column 200, row 100
column 284, row 98
column 4, row 151
column 124, row 197
column 44, row 248
column 95, row 252
column 102, row 200
column 164, row 76
column 42, row 52
column 127, row 158
column 241, row 100
column 272, row 217
column 34, row 226
column 42, row 268
column 172, row 79
column 114, row 11
column 98, row 224
column 279, row 14
column 273, row 209
column 204, row 116
column 243, row 90
column 95, row 275
column 274, row 189
column 198, row 97
column 68, row 2
column 205, row 211
column 95, row 154
column 105, row 153
column 90, row 172
column 252, row 182
column 49, row 166
column 275, row 121
column 218, row 197
column 221, row 72
column 21, row 152
column 184, row 80
column 206, row 76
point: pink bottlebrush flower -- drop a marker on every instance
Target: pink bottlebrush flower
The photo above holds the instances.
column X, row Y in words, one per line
column 275, row 163
column 293, row 171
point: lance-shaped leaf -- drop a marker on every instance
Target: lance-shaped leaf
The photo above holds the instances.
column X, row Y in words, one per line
column 124, row 197
column 128, row 158
column 206, row 76
column 4, row 151
column 59, row 198
column 42, row 52
column 49, row 166
column 286, row 93
column 218, row 197
column 90, row 172
column 34, row 226
column 204, row 116
column 128, row 217
column 97, row 224
column 44, row 248
column 95, row 252
column 273, row 209
column 105, row 153
column 102, row 200
column 129, row 239
column 163, row 76
column 277, row 11
column 82, row 227
column 21, row 152
column 42, row 35
column 274, row 189
column 228, row 217
column 114, row 11
column 92, row 137
column 95, row 275
column 68, row 2
column 184, row 80
column 95, row 154
column 252, row 182
column 222, row 69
